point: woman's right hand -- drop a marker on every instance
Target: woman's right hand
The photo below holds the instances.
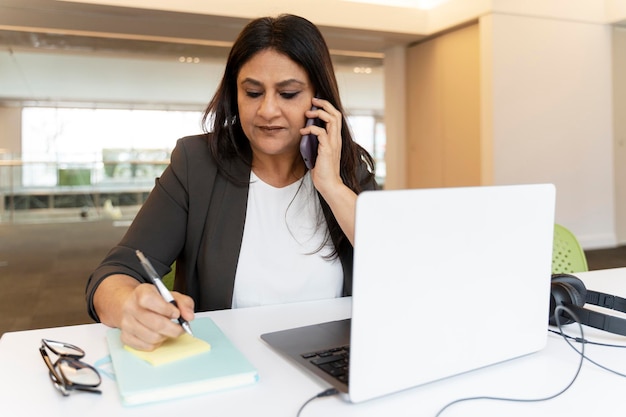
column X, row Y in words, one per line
column 140, row 312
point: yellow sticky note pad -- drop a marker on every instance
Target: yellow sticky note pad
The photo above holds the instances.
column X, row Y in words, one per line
column 172, row 350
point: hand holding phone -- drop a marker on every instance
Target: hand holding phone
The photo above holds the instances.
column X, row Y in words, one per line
column 309, row 143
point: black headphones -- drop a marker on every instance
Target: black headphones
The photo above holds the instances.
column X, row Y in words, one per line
column 570, row 291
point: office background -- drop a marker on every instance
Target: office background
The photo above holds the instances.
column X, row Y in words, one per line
column 472, row 92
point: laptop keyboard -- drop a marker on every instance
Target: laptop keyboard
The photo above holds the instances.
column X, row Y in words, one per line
column 332, row 361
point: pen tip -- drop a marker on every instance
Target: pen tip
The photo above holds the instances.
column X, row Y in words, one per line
column 187, row 328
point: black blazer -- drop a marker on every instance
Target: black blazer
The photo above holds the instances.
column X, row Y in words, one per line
column 193, row 210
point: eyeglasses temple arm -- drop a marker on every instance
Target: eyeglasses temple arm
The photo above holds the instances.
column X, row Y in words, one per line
column 87, row 389
column 48, row 362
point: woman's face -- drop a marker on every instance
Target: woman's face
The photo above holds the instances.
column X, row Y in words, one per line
column 273, row 92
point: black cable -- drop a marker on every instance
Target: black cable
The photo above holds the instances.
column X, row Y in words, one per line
column 585, row 341
column 566, row 337
column 589, row 342
column 327, row 393
column 580, row 365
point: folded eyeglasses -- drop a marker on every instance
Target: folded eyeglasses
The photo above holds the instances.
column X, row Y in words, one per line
column 68, row 372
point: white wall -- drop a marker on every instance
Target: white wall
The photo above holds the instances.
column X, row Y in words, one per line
column 619, row 148
column 549, row 87
column 101, row 78
column 395, row 118
column 41, row 76
column 10, row 143
column 10, row 130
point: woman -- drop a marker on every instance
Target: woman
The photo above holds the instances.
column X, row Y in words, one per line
column 246, row 221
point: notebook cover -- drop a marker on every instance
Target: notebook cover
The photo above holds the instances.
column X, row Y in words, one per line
column 223, row 367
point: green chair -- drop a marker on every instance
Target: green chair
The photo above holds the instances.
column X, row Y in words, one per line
column 168, row 279
column 567, row 255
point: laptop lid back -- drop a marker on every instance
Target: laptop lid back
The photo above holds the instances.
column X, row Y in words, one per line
column 446, row 281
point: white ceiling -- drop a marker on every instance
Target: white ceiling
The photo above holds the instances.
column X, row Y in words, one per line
column 98, row 53
column 60, row 53
column 60, row 17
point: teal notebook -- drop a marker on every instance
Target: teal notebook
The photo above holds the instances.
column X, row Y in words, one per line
column 223, row 367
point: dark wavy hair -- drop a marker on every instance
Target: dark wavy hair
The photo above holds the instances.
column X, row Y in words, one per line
column 301, row 41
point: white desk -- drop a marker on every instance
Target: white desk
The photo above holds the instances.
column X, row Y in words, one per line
column 25, row 389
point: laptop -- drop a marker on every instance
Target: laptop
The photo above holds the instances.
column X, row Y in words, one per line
column 446, row 281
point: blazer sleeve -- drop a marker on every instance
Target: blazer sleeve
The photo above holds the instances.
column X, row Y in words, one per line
column 158, row 229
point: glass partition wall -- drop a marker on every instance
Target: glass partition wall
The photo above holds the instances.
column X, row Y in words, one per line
column 79, row 163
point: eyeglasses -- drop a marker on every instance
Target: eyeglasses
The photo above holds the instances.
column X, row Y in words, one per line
column 68, row 373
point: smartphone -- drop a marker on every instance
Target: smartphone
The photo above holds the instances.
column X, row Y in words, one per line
column 308, row 143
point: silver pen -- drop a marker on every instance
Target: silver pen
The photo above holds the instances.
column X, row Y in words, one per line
column 156, row 280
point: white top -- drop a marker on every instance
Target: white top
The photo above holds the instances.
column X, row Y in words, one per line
column 279, row 260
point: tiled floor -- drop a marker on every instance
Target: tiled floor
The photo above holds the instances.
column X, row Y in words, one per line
column 606, row 258
column 44, row 268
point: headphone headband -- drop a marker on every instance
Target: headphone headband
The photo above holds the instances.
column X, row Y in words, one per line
column 601, row 299
column 600, row 321
column 570, row 291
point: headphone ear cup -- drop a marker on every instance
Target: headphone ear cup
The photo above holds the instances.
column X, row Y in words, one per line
column 574, row 282
column 566, row 290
